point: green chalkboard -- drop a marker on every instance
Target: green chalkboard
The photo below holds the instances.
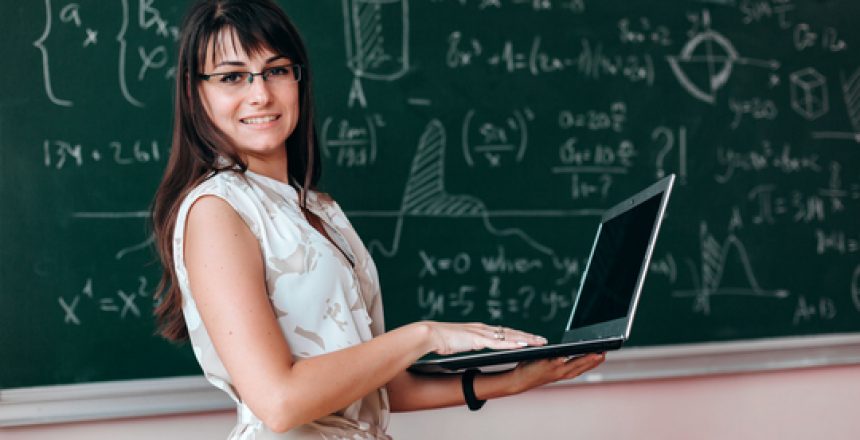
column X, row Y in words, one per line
column 474, row 144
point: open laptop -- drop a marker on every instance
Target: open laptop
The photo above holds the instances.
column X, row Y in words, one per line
column 603, row 311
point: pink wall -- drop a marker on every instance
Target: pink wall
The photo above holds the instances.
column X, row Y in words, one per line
column 815, row 403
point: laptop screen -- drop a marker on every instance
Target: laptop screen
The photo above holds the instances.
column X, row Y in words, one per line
column 615, row 265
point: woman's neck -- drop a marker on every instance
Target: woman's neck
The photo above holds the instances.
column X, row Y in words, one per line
column 274, row 168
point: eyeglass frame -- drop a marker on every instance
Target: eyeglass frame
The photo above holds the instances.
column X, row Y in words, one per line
column 262, row 74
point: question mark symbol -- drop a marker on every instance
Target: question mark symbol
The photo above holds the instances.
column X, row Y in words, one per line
column 669, row 137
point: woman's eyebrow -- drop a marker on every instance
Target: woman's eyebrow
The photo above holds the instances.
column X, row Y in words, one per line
column 275, row 58
column 241, row 63
column 230, row 63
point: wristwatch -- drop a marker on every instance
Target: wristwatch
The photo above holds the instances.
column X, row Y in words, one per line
column 472, row 401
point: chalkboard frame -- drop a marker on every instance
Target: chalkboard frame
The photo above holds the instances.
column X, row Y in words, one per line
column 190, row 394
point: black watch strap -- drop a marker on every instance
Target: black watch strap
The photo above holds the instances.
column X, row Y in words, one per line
column 472, row 401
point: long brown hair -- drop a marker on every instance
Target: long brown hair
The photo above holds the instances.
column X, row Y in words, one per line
column 197, row 144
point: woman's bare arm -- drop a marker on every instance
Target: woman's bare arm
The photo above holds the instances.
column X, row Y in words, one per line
column 410, row 392
column 227, row 279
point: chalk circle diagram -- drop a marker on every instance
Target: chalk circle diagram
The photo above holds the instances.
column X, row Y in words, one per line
column 717, row 54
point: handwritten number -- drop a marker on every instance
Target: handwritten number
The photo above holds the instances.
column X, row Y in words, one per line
column 117, row 154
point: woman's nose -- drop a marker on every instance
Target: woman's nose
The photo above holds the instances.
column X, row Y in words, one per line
column 258, row 91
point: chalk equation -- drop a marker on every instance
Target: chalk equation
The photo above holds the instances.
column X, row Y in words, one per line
column 591, row 61
column 351, row 142
column 495, row 297
column 493, row 138
column 132, row 304
column 523, row 301
column 148, row 59
column 59, row 154
column 764, row 157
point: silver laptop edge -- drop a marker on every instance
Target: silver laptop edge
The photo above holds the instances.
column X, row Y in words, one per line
column 666, row 183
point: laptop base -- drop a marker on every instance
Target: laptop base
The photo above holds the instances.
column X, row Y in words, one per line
column 500, row 361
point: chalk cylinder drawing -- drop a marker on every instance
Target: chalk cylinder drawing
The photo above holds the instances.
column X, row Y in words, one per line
column 377, row 38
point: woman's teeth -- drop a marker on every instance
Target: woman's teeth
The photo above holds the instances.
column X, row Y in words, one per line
column 261, row 120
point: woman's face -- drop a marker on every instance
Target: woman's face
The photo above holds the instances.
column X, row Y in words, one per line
column 258, row 116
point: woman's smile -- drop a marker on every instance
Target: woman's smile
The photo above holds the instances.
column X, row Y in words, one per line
column 260, row 121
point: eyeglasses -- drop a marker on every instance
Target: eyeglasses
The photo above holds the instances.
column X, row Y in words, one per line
column 235, row 81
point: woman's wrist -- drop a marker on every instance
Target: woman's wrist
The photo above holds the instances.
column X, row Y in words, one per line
column 423, row 331
column 494, row 385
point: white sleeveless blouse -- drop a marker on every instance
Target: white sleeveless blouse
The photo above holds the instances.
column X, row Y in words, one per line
column 320, row 300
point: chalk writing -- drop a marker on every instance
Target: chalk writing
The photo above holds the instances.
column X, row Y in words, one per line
column 827, row 38
column 523, row 301
column 824, row 309
column 756, row 108
column 592, row 61
column 835, row 241
column 59, row 154
column 765, row 157
column 642, row 31
column 592, row 167
column 490, row 139
column 123, row 304
column 352, row 142
column 665, row 140
column 755, row 11
column 595, row 120
column 476, row 153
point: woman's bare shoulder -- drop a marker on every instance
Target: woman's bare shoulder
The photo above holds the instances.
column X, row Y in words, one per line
column 211, row 215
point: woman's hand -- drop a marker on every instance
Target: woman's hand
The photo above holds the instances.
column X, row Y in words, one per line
column 449, row 338
column 533, row 374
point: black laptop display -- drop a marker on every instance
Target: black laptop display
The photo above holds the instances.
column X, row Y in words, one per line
column 603, row 311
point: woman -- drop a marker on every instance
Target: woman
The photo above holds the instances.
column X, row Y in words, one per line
column 265, row 275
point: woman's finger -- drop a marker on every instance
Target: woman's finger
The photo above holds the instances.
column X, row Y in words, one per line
column 507, row 344
column 580, row 365
column 501, row 333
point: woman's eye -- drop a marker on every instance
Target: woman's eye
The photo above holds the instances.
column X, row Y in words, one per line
column 279, row 71
column 232, row 77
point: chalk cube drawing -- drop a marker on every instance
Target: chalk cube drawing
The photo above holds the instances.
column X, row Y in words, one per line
column 809, row 93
